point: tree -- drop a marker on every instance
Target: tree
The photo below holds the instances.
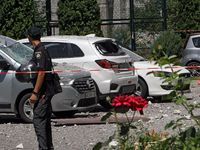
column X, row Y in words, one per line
column 16, row 16
column 188, row 15
column 172, row 14
column 79, row 17
column 183, row 15
column 151, row 11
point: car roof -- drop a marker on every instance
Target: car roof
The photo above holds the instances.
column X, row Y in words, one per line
column 187, row 39
column 90, row 38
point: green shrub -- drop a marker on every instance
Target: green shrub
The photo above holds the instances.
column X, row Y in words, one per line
column 79, row 17
column 16, row 16
column 171, row 42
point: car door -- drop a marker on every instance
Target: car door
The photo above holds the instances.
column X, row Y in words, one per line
column 59, row 51
column 6, row 77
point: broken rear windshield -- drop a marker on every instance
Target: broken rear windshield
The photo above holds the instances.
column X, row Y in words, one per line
column 109, row 48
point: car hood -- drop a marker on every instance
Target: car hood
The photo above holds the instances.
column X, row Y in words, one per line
column 152, row 66
column 70, row 71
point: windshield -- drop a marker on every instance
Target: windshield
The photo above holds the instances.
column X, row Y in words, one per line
column 19, row 52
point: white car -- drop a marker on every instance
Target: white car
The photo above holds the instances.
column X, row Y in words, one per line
column 150, row 85
column 107, row 63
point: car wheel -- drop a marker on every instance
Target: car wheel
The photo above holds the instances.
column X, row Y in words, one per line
column 64, row 114
column 26, row 108
column 194, row 71
column 141, row 89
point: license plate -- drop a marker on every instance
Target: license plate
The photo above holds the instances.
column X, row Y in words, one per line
column 185, row 79
column 90, row 94
column 128, row 88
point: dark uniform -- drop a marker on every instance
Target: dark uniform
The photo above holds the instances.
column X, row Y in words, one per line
column 42, row 108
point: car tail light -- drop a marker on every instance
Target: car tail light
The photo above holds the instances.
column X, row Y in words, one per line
column 107, row 64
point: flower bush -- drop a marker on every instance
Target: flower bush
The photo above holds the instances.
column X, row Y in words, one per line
column 151, row 140
column 122, row 104
column 126, row 102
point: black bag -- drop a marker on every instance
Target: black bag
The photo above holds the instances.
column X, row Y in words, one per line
column 56, row 83
column 55, row 77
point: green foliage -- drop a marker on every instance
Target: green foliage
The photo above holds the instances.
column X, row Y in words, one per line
column 183, row 15
column 79, row 17
column 171, row 42
column 16, row 16
column 188, row 15
column 183, row 140
column 151, row 10
column 188, row 139
column 172, row 14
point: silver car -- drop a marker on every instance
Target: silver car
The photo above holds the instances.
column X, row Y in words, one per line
column 191, row 54
column 79, row 92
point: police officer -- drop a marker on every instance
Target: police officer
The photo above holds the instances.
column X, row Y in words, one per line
column 43, row 91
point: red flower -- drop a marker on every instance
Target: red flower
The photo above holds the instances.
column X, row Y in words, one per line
column 138, row 103
column 121, row 101
column 133, row 102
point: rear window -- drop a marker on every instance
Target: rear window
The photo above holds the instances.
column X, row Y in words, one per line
column 109, row 48
column 196, row 42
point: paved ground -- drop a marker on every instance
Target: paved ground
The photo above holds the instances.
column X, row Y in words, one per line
column 15, row 133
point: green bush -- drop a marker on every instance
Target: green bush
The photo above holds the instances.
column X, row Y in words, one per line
column 171, row 42
column 79, row 17
column 16, row 16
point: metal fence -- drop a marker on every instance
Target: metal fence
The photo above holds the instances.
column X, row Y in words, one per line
column 133, row 23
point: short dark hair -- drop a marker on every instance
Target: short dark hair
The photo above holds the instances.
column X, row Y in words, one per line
column 34, row 33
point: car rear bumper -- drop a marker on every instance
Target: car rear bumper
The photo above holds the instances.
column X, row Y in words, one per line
column 124, row 90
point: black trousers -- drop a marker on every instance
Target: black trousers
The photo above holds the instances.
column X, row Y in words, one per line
column 42, row 122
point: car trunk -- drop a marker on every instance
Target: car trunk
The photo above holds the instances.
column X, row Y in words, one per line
column 114, row 58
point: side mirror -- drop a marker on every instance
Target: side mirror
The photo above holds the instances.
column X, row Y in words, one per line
column 3, row 64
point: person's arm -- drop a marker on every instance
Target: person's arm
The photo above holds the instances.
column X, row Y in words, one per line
column 39, row 81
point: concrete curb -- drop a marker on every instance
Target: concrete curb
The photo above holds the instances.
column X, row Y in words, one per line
column 71, row 121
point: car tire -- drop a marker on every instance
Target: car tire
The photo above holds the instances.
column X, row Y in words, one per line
column 26, row 109
column 194, row 71
column 142, row 89
column 64, row 114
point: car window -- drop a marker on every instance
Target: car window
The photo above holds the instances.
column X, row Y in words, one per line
column 58, row 50
column 196, row 42
column 109, row 48
column 77, row 52
column 19, row 52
